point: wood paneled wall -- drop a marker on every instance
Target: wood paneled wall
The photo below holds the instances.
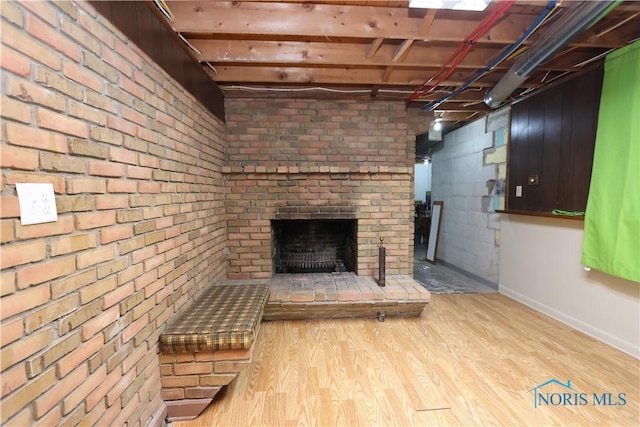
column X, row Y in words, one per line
column 138, row 22
column 553, row 137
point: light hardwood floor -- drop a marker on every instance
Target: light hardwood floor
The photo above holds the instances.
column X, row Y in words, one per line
column 470, row 359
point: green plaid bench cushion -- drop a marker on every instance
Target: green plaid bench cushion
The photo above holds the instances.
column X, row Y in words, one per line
column 225, row 317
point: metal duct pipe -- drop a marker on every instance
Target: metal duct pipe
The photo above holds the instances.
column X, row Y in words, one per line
column 574, row 22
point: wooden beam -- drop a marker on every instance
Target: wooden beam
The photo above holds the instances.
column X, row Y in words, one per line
column 467, row 100
column 427, row 22
column 402, row 50
column 338, row 75
column 472, row 95
column 373, row 49
column 328, row 20
column 376, row 93
column 234, row 93
column 607, row 30
column 620, row 37
column 457, row 108
column 421, row 54
column 330, row 54
column 567, row 62
column 322, row 20
column 387, row 74
column 457, row 116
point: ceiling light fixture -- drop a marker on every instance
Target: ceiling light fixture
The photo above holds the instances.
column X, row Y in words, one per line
column 472, row 5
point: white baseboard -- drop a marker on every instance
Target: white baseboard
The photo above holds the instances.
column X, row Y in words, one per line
column 589, row 329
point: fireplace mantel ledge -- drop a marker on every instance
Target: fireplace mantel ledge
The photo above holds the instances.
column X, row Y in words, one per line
column 315, row 169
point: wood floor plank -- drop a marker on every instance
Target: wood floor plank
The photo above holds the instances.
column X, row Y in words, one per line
column 470, row 359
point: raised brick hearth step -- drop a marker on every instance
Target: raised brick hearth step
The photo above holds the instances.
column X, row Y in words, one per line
column 341, row 295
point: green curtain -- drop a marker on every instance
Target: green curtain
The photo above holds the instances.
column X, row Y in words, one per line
column 612, row 219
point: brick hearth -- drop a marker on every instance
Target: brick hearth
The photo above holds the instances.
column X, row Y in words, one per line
column 340, row 295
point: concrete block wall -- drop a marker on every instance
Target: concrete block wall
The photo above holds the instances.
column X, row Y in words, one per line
column 465, row 175
column 309, row 159
column 135, row 164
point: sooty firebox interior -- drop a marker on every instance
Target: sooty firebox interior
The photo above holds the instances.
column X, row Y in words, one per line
column 313, row 246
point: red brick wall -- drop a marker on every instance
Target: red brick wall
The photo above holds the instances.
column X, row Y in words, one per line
column 136, row 167
column 302, row 159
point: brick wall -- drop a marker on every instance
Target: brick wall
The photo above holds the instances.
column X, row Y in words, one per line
column 135, row 164
column 307, row 159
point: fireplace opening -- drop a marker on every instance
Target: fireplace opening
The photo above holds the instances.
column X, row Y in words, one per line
column 313, row 246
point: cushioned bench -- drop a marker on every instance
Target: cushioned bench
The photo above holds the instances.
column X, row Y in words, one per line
column 206, row 347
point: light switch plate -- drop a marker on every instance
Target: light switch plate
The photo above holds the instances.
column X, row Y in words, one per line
column 37, row 203
column 518, row 190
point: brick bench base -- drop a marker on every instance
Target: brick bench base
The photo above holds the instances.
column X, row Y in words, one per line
column 191, row 380
column 206, row 348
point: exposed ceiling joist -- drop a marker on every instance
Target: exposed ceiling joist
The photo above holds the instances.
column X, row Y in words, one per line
column 339, row 75
column 421, row 54
column 319, row 20
column 377, row 50
column 402, row 51
column 333, row 21
column 427, row 22
column 373, row 49
column 415, row 55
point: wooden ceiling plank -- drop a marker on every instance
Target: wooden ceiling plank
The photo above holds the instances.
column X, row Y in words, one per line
column 333, row 21
column 457, row 116
column 379, row 46
column 617, row 24
column 373, row 49
column 349, row 55
column 387, row 74
column 623, row 35
column 291, row 19
column 402, row 51
column 286, row 19
column 420, row 54
column 568, row 61
column 427, row 22
column 339, row 75
column 565, row 51
column 471, row 95
column 376, row 92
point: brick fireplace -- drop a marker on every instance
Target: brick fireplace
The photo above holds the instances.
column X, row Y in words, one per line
column 309, row 160
column 314, row 246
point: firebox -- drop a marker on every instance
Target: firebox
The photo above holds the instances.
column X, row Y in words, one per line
column 313, row 246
